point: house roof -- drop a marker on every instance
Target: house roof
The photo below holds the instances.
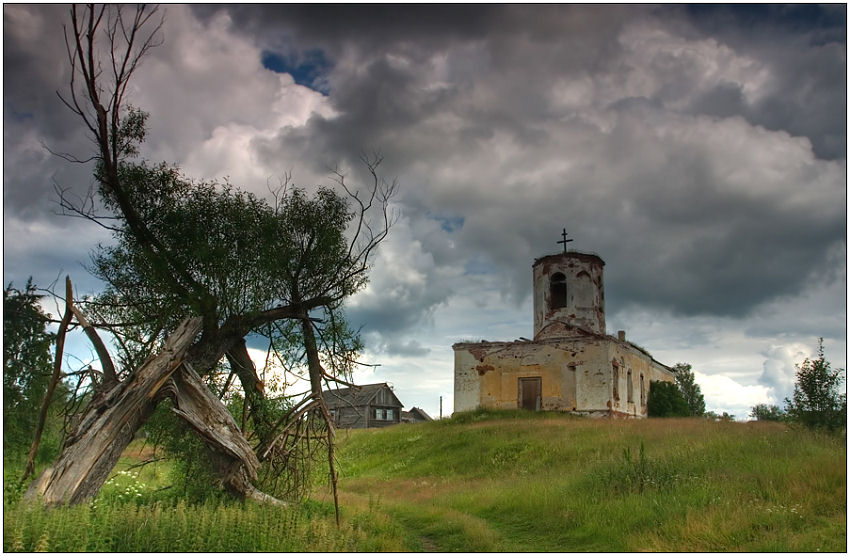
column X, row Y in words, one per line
column 357, row 396
column 421, row 412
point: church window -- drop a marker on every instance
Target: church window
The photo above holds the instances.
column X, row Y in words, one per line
column 642, row 391
column 630, row 387
column 615, row 379
column 557, row 291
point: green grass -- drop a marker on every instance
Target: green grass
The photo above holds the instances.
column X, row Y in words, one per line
column 547, row 482
column 495, row 481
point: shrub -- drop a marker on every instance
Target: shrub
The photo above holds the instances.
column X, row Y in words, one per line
column 818, row 401
column 666, row 400
column 765, row 412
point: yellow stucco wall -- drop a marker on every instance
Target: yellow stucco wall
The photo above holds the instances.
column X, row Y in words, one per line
column 576, row 374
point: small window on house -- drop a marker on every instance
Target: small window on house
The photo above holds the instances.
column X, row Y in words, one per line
column 630, row 387
column 384, row 414
column 557, row 291
column 615, row 379
column 642, row 391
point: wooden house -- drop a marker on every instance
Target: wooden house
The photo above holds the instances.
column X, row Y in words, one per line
column 361, row 407
column 415, row 415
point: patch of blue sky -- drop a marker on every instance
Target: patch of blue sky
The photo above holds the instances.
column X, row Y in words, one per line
column 18, row 115
column 310, row 69
column 448, row 223
column 478, row 267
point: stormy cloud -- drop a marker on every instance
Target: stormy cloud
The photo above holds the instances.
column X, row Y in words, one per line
column 700, row 150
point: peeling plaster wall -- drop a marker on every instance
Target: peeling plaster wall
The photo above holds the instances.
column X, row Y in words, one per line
column 585, row 295
column 570, row 354
column 632, row 359
column 576, row 374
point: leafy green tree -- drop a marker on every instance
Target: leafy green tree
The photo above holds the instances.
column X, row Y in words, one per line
column 818, row 402
column 766, row 412
column 27, row 364
column 242, row 266
column 666, row 400
column 686, row 381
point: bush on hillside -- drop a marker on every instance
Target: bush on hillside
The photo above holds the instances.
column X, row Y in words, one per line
column 666, row 400
column 765, row 412
column 691, row 392
column 819, row 401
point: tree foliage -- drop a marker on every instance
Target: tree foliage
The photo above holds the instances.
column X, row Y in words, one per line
column 27, row 364
column 240, row 265
column 818, row 402
column 767, row 412
column 666, row 400
column 691, row 392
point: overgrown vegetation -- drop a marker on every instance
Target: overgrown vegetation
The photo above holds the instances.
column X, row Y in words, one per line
column 666, row 400
column 691, row 392
column 818, row 402
column 682, row 398
column 552, row 482
column 27, row 368
column 497, row 481
column 767, row 412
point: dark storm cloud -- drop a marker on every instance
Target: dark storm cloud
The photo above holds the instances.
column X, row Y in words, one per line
column 806, row 47
column 679, row 232
column 675, row 142
column 370, row 25
column 34, row 118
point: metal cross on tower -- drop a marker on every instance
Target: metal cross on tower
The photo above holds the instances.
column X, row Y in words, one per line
column 565, row 241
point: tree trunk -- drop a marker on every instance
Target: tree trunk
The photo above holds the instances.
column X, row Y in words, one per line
column 233, row 458
column 255, row 397
column 314, row 364
column 108, row 425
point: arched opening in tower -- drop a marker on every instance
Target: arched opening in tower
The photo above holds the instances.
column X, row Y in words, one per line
column 557, row 291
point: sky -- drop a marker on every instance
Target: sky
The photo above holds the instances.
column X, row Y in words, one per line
column 701, row 151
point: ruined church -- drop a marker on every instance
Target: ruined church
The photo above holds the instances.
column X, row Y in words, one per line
column 571, row 364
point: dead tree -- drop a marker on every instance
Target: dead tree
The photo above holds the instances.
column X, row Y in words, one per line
column 93, row 447
column 105, row 46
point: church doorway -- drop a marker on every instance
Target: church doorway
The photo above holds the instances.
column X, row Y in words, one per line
column 529, row 393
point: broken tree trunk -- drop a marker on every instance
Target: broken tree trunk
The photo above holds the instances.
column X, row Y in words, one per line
column 92, row 449
column 232, row 456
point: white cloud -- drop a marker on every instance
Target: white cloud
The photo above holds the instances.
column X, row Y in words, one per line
column 725, row 394
column 658, row 63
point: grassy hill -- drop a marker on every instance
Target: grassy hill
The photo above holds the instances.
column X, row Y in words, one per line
column 520, row 481
column 501, row 481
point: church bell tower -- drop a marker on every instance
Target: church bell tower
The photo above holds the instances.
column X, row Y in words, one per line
column 569, row 295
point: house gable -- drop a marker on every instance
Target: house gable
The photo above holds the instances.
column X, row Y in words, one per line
column 370, row 405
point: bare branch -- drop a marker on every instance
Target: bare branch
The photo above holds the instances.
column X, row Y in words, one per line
column 54, row 380
column 110, row 378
